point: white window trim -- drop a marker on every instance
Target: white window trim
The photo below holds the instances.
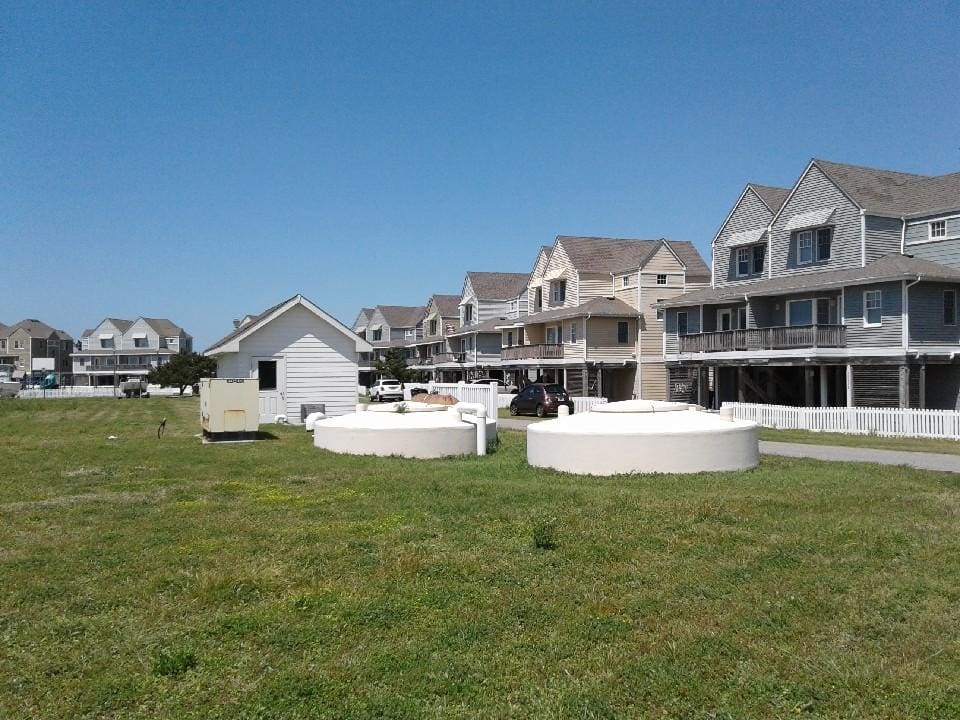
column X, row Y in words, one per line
column 627, row 341
column 625, row 281
column 931, row 236
column 666, row 279
column 748, row 254
column 687, row 316
column 753, row 254
column 572, row 336
column 800, row 236
column 813, row 310
column 954, row 323
column 867, row 324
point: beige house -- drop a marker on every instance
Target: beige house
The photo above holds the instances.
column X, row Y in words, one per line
column 31, row 339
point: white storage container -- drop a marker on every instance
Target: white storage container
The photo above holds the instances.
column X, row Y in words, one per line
column 229, row 405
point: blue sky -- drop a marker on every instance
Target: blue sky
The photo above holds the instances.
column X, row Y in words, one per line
column 199, row 161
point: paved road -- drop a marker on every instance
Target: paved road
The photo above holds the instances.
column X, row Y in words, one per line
column 836, row 453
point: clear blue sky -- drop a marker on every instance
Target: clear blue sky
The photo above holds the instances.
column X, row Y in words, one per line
column 199, row 161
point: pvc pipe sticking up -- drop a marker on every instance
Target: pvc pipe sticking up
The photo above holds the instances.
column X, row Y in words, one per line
column 475, row 414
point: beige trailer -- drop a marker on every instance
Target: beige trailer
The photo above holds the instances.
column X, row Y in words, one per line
column 229, row 408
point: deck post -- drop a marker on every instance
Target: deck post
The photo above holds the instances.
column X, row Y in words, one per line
column 923, row 386
column 904, row 386
column 808, row 386
column 849, row 385
column 824, row 386
column 740, row 387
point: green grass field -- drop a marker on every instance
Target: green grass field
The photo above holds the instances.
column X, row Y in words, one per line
column 146, row 578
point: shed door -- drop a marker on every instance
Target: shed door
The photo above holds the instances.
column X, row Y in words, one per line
column 269, row 371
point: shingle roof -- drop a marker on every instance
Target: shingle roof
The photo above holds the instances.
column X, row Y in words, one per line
column 4, row 329
column 888, row 268
column 772, row 197
column 448, row 305
column 486, row 326
column 86, row 333
column 497, row 285
column 894, row 193
column 33, row 328
column 163, row 327
column 243, row 328
column 606, row 255
column 597, row 307
column 401, row 316
column 121, row 324
column 63, row 335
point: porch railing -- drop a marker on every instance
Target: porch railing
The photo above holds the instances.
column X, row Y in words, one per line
column 441, row 358
column 770, row 338
column 533, row 352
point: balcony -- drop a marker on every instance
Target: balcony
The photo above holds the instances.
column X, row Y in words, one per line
column 771, row 338
column 444, row 358
column 552, row 351
column 120, row 367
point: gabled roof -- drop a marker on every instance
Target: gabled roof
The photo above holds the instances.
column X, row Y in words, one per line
column 888, row 268
column 771, row 196
column 231, row 342
column 610, row 255
column 120, row 324
column 163, row 327
column 497, row 285
column 33, row 328
column 402, row 316
column 889, row 192
column 86, row 333
column 447, row 305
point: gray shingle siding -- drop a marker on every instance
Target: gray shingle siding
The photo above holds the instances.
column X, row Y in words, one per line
column 945, row 252
column 926, row 315
column 920, row 232
column 890, row 333
column 816, row 192
column 749, row 214
column 883, row 236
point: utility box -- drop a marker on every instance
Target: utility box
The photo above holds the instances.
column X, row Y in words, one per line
column 230, row 408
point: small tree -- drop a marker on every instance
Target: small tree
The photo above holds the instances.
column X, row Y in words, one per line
column 394, row 365
column 182, row 370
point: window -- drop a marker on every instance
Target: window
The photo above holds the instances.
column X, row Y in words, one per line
column 139, row 342
column 267, row 374
column 681, row 323
column 623, row 332
column 872, row 308
column 573, row 332
column 625, row 281
column 509, row 338
column 377, row 334
column 805, row 247
column 551, row 336
column 659, row 309
column 743, row 262
column 758, row 253
column 18, row 344
column 559, row 291
column 467, row 314
column 949, row 307
column 938, row 229
column 826, row 311
column 433, row 328
column 538, row 299
column 661, row 279
column 741, row 318
column 799, row 312
column 809, row 251
column 106, row 343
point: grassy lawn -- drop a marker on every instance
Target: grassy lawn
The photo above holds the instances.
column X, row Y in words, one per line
column 146, row 578
column 951, row 447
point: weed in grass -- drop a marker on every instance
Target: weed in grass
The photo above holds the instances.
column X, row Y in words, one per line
column 545, row 533
column 173, row 663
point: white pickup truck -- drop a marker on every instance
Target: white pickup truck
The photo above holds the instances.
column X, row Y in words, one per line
column 134, row 387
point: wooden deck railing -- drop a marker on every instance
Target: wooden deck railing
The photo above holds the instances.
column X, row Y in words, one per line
column 771, row 338
column 441, row 358
column 533, row 352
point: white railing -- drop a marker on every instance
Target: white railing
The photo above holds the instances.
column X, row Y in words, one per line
column 486, row 394
column 89, row 391
column 884, row 422
column 583, row 404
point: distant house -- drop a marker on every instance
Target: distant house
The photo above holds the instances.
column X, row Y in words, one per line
column 386, row 327
column 5, row 357
column 31, row 339
column 118, row 348
column 299, row 353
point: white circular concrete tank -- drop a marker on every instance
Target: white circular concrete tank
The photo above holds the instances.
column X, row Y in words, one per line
column 638, row 436
column 421, row 430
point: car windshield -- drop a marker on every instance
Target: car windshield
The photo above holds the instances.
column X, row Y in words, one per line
column 553, row 388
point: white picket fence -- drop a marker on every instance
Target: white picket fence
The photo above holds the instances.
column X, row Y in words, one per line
column 884, row 422
column 486, row 394
column 89, row 391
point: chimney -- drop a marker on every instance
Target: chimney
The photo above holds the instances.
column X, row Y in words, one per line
column 236, row 324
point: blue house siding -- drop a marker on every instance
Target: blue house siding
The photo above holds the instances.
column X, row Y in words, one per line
column 890, row 333
column 816, row 192
column 749, row 214
column 926, row 315
column 919, row 231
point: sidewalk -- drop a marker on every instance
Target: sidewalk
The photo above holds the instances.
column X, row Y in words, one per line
column 833, row 453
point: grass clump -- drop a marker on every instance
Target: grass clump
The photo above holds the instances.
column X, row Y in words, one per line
column 545, row 533
column 173, row 663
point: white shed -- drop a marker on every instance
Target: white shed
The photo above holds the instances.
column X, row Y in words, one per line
column 300, row 354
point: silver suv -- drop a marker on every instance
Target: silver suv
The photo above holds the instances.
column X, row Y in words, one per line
column 386, row 389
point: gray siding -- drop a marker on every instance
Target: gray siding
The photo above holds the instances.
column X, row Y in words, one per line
column 945, row 252
column 920, row 231
column 816, row 192
column 926, row 316
column 883, row 236
column 889, row 334
column 670, row 325
column 749, row 214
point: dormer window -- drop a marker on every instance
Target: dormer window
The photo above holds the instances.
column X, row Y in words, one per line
column 558, row 292
column 814, row 245
column 433, row 327
column 467, row 314
column 743, row 262
column 938, row 229
column 377, row 335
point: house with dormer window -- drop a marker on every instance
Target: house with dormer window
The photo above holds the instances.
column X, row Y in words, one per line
column 839, row 291
column 118, row 348
column 441, row 319
column 386, row 327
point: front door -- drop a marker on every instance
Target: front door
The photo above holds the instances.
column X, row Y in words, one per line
column 724, row 320
column 269, row 371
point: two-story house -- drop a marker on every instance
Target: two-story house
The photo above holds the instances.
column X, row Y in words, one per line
column 118, row 348
column 590, row 322
column 841, row 290
column 5, row 358
column 30, row 340
column 386, row 327
column 488, row 299
column 432, row 350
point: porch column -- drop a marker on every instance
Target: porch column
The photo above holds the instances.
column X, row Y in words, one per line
column 703, row 386
column 808, row 386
column 740, row 393
column 904, row 386
column 923, row 386
column 585, row 375
column 849, row 385
column 824, row 386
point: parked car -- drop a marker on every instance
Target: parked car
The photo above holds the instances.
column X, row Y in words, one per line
column 419, row 390
column 540, row 399
column 502, row 387
column 386, row 389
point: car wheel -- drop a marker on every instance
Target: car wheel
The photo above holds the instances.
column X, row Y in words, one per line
column 540, row 411
column 514, row 410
